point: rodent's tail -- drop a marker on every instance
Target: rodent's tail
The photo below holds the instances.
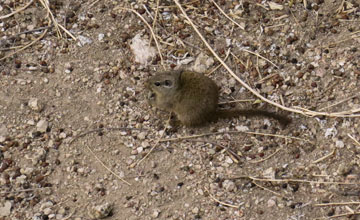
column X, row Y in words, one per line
column 283, row 120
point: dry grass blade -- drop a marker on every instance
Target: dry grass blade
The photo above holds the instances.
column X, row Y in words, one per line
column 268, row 157
column 258, row 55
column 336, row 204
column 151, row 150
column 17, row 11
column 240, row 26
column 45, row 4
column 294, row 180
column 325, row 157
column 352, row 138
column 266, row 189
column 222, row 203
column 232, row 132
column 57, row 26
column 338, row 103
column 102, row 163
column 26, row 46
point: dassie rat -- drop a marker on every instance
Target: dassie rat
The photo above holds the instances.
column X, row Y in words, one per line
column 193, row 97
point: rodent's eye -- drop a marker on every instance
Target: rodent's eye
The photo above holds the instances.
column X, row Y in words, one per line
column 168, row 83
column 157, row 83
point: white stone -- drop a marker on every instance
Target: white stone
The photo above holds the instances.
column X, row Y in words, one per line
column 42, row 126
column 242, row 128
column 34, row 104
column 5, row 210
column 142, row 50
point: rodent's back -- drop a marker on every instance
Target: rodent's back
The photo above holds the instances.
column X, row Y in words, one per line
column 197, row 100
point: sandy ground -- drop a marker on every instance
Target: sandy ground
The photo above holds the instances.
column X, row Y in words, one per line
column 75, row 124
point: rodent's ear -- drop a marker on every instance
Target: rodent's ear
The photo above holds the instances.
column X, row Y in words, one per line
column 179, row 73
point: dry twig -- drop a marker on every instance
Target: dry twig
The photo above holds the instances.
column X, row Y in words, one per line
column 222, row 203
column 232, row 20
column 102, row 163
column 17, row 11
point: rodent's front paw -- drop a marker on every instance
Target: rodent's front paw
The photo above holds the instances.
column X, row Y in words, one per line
column 151, row 97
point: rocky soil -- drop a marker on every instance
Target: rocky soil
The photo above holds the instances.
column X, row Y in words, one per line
column 79, row 141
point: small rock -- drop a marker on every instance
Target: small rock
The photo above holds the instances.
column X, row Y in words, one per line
column 30, row 122
column 42, row 126
column 339, row 144
column 100, row 211
column 155, row 213
column 45, row 205
column 242, row 128
column 142, row 50
column 83, row 40
column 142, row 135
column 202, row 63
column 229, row 185
column 5, row 210
column 59, row 217
column 34, row 104
column 3, row 131
column 62, row 135
column 228, row 160
column 330, row 132
column 47, row 211
column 195, row 210
column 269, row 173
column 139, row 150
column 101, row 37
column 27, row 171
column 271, row 203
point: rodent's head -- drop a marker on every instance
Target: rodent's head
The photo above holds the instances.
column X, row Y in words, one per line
column 162, row 88
column 164, row 83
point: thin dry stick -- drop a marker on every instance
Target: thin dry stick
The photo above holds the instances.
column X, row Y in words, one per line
column 97, row 158
column 258, row 55
column 101, row 129
column 294, row 180
column 336, row 204
column 267, row 77
column 150, row 28
column 222, row 203
column 45, row 4
column 232, row 132
column 325, row 157
column 25, row 190
column 152, row 148
column 264, row 188
column 357, row 142
column 17, row 11
column 341, row 7
column 156, row 14
column 338, row 103
column 266, row 158
column 237, row 101
column 346, row 214
column 231, row 153
column 218, row 66
column 306, row 113
column 92, row 4
column 240, row 26
column 26, row 46
column 239, row 60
